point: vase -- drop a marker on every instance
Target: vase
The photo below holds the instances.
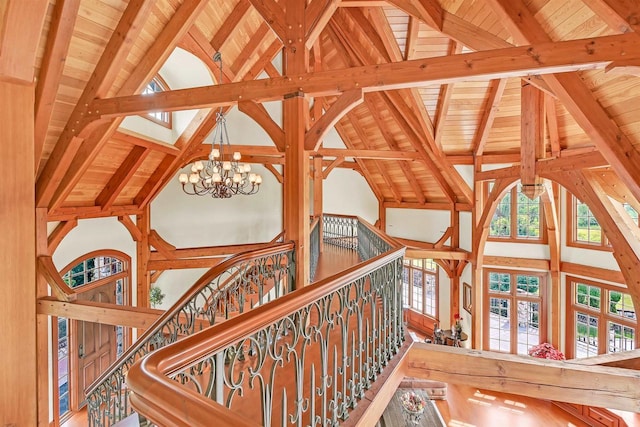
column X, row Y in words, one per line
column 412, row 417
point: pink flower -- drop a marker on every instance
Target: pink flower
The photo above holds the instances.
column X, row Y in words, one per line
column 546, row 351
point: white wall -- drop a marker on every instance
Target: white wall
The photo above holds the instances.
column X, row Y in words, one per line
column 418, row 224
column 347, row 192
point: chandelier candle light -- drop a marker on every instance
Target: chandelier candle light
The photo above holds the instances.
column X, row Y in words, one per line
column 222, row 176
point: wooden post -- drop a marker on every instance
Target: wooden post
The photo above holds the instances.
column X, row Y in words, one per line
column 18, row 382
column 296, row 166
column 143, row 253
column 532, row 139
column 317, row 194
column 42, row 323
column 382, row 216
column 476, row 261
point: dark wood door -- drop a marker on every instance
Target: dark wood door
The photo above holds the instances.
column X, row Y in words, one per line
column 96, row 342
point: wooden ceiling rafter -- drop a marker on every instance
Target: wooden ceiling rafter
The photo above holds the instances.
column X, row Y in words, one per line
column 345, row 103
column 109, row 65
column 393, row 144
column 444, row 98
column 382, row 172
column 275, row 172
column 494, row 96
column 224, row 32
column 620, row 15
column 428, row 11
column 125, row 136
column 55, row 53
column 273, row 14
column 558, row 57
column 577, row 97
column 164, row 44
column 358, row 56
column 121, row 177
column 318, row 13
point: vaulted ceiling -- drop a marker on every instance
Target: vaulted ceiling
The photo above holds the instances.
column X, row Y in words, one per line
column 405, row 132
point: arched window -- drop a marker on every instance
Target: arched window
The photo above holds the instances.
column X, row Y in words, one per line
column 163, row 118
column 517, row 218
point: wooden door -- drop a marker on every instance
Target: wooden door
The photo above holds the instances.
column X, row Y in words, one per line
column 96, row 343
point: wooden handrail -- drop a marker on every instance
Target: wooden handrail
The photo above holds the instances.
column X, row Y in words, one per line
column 190, row 293
column 167, row 403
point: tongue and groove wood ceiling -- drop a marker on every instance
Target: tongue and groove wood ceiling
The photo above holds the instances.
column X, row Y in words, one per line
column 405, row 140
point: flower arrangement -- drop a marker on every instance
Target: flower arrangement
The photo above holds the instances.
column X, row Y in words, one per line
column 413, row 402
column 546, row 351
column 457, row 326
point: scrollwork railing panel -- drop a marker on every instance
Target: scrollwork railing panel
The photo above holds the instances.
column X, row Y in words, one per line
column 223, row 292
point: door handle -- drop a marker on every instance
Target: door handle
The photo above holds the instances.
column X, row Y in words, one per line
column 80, row 351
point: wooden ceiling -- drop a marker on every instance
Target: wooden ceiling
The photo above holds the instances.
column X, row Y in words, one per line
column 405, row 139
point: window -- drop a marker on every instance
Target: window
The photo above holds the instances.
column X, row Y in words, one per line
column 516, row 301
column 516, row 217
column 163, row 118
column 583, row 227
column 420, row 286
column 92, row 269
column 601, row 319
column 62, row 384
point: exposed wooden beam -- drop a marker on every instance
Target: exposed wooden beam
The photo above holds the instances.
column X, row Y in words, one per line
column 59, row 233
column 369, row 154
column 551, row 57
column 515, row 262
column 165, row 248
column 273, row 14
column 528, row 376
column 318, row 14
column 444, row 98
column 345, row 103
column 620, row 15
column 55, row 53
column 207, row 251
column 428, row 205
column 531, row 139
column 184, row 263
column 275, row 172
column 59, row 288
column 334, row 163
column 624, row 359
column 412, row 38
column 551, row 115
column 592, row 272
column 429, row 11
column 147, row 67
column 551, row 211
column 109, row 314
column 577, row 97
column 230, row 24
column 104, row 74
column 250, row 53
column 121, row 177
column 131, row 227
column 85, row 212
column 130, row 137
column 437, row 254
column 260, row 115
column 495, row 92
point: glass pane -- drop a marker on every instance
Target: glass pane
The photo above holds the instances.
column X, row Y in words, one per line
column 528, row 326
column 430, row 297
column 417, row 290
column 586, row 335
column 588, row 296
column 499, row 282
column 499, row 325
column 587, row 228
column 528, row 216
column 621, row 337
column 430, row 264
column 621, row 304
column 528, row 285
column 501, row 222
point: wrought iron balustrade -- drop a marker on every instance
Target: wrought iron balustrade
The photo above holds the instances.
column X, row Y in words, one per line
column 326, row 342
column 340, row 230
column 240, row 282
column 314, row 243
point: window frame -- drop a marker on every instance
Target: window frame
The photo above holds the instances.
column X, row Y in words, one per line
column 424, row 271
column 541, row 300
column 572, row 230
column 603, row 315
column 165, row 87
column 513, row 218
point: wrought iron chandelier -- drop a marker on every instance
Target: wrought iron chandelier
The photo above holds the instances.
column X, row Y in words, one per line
column 222, row 176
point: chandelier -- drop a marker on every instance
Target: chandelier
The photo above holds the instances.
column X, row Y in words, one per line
column 222, row 176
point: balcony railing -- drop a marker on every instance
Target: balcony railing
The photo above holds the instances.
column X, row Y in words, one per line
column 235, row 285
column 306, row 358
